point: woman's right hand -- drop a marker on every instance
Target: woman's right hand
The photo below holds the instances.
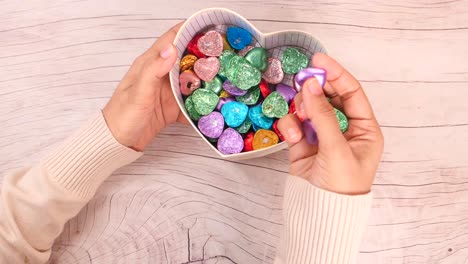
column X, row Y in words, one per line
column 341, row 163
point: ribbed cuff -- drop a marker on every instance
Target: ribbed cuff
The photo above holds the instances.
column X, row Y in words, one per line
column 87, row 158
column 321, row 226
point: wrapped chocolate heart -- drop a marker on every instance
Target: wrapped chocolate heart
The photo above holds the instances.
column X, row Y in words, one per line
column 234, row 83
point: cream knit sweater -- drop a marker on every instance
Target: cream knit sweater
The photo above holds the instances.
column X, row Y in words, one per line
column 319, row 226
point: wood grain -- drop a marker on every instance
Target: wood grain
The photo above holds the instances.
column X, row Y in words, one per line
column 61, row 60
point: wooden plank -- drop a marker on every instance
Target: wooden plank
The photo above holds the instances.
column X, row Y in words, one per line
column 61, row 60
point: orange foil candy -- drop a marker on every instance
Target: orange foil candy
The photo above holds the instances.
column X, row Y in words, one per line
column 264, row 138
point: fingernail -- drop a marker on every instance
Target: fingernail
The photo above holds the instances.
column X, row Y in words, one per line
column 314, row 86
column 166, row 52
column 293, row 134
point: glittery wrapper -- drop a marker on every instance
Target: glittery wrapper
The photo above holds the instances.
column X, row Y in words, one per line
column 258, row 118
column 293, row 60
column 303, row 75
column 309, row 132
column 245, row 50
column 206, row 68
column 275, row 106
column 245, row 127
column 264, row 88
column 222, row 101
column 238, row 38
column 190, row 107
column 189, row 82
column 192, row 47
column 242, row 74
column 248, row 142
column 264, row 138
column 224, row 59
column 258, row 58
column 205, row 101
column 274, row 73
column 224, row 94
column 251, row 97
column 232, row 89
column 211, row 125
column 275, row 128
column 226, row 45
column 230, row 142
column 211, row 44
column 187, row 62
column 255, row 127
column 216, row 85
column 234, row 113
column 286, row 91
column 342, row 120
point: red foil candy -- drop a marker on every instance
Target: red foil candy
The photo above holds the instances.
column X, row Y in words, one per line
column 264, row 88
column 292, row 107
column 292, row 110
column 248, row 142
column 192, row 46
column 275, row 128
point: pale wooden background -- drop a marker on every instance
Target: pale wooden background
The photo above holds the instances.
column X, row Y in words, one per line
column 61, row 60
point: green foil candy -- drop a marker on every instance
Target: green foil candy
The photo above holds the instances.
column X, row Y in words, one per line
column 224, row 59
column 216, row 85
column 342, row 120
column 245, row 127
column 274, row 106
column 205, row 101
column 251, row 97
column 242, row 74
column 293, row 60
column 258, row 58
column 190, row 107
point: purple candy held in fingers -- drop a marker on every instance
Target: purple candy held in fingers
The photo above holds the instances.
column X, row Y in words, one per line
column 230, row 142
column 211, row 125
column 232, row 89
column 309, row 132
column 286, row 91
column 302, row 76
column 222, row 101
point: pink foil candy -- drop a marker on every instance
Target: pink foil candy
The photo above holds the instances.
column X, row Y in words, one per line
column 206, row 68
column 245, row 50
column 211, row 44
column 274, row 73
column 189, row 82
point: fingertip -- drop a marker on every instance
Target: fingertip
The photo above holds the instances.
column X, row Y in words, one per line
column 290, row 128
column 168, row 51
column 313, row 86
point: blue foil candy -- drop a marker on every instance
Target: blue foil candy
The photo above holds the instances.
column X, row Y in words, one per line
column 238, row 38
column 258, row 118
column 234, row 113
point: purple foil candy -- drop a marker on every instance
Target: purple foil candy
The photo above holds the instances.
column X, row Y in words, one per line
column 286, row 91
column 309, row 132
column 230, row 142
column 303, row 75
column 222, row 101
column 211, row 125
column 233, row 90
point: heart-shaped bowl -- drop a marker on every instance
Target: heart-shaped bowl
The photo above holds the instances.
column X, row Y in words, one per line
column 275, row 43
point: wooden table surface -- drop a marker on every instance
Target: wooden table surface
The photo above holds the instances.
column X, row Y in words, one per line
column 61, row 60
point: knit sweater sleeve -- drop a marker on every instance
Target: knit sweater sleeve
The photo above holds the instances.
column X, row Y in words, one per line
column 37, row 201
column 321, row 226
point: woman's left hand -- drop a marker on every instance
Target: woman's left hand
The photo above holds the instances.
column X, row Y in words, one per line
column 143, row 103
